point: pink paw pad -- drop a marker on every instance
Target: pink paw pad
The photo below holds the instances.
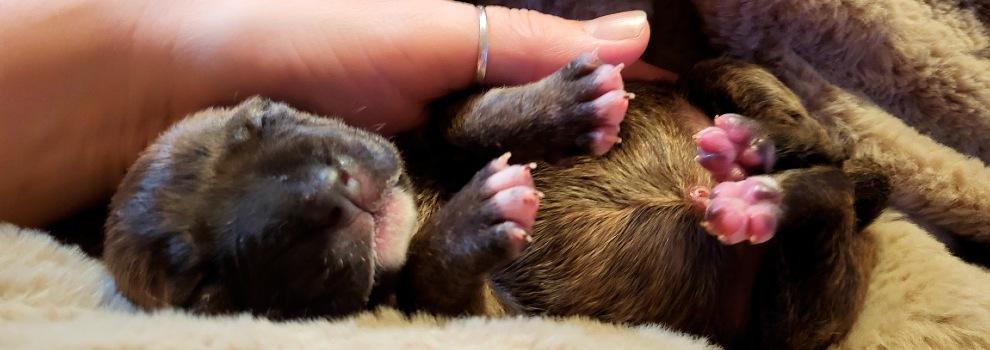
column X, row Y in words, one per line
column 746, row 210
column 733, row 148
column 511, row 193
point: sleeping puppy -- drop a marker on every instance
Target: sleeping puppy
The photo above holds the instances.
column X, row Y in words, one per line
column 267, row 209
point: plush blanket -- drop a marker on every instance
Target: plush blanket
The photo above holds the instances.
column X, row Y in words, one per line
column 53, row 296
column 910, row 77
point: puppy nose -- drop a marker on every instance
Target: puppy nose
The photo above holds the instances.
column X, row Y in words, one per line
column 352, row 182
column 338, row 178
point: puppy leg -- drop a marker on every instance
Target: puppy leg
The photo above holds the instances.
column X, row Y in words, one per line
column 812, row 275
column 810, row 285
column 723, row 86
column 484, row 226
column 575, row 111
column 813, row 284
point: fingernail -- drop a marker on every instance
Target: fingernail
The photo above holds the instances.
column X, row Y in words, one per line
column 617, row 26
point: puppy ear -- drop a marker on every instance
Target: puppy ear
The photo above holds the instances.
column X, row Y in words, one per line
column 154, row 269
column 250, row 121
column 258, row 117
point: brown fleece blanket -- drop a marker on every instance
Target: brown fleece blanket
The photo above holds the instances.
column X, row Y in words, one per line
column 911, row 78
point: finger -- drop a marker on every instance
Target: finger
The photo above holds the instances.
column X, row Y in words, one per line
column 526, row 45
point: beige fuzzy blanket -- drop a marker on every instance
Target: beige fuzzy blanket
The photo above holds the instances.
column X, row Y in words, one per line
column 55, row 297
column 912, row 77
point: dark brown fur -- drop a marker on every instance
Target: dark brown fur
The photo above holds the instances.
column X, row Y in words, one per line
column 222, row 214
column 617, row 237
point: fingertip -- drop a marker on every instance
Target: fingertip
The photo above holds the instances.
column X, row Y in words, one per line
column 525, row 46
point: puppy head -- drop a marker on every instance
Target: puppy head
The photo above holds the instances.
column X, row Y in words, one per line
column 287, row 215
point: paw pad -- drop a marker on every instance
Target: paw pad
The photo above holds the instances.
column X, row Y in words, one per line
column 746, row 210
column 734, row 148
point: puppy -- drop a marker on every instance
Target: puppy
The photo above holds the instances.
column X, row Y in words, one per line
column 266, row 209
column 650, row 232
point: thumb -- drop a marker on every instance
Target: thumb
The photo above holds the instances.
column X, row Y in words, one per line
column 526, row 45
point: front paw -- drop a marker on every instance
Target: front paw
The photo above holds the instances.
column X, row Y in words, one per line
column 592, row 102
column 573, row 112
column 487, row 223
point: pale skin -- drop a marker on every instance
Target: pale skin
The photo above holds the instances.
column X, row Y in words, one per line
column 86, row 84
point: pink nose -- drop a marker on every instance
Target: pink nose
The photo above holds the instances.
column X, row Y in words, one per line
column 355, row 183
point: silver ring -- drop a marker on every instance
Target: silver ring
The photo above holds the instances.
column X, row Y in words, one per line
column 482, row 67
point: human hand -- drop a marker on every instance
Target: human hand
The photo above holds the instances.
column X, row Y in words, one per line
column 379, row 62
column 87, row 84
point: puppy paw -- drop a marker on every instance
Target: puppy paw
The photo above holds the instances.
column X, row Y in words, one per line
column 596, row 99
column 734, row 148
column 509, row 205
column 746, row 210
column 488, row 222
column 573, row 112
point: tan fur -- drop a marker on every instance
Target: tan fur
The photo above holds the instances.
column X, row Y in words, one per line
column 920, row 297
column 592, row 216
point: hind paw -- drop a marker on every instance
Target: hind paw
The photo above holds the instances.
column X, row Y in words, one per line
column 746, row 210
column 734, row 148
